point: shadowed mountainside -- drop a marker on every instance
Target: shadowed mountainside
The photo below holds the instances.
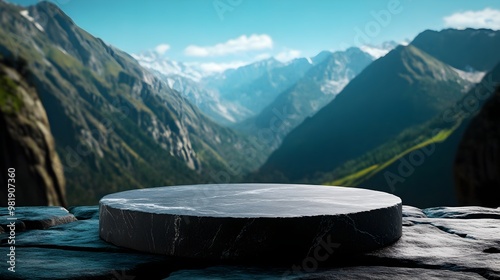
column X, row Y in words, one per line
column 477, row 162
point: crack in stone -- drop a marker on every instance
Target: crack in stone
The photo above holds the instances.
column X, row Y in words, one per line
column 152, row 246
column 243, row 229
column 353, row 224
column 215, row 236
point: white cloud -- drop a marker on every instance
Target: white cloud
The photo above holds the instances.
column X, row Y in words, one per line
column 487, row 18
column 287, row 55
column 162, row 48
column 193, row 50
column 240, row 44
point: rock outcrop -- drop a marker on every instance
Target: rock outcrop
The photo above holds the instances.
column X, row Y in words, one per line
column 437, row 243
column 26, row 143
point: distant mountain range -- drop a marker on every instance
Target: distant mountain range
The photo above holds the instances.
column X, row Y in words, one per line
column 237, row 95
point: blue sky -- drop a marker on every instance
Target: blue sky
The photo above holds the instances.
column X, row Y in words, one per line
column 232, row 31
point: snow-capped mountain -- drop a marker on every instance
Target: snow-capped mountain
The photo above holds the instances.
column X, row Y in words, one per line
column 317, row 87
column 154, row 61
column 232, row 95
column 208, row 100
column 339, row 68
column 235, row 95
column 377, row 51
column 256, row 85
column 188, row 79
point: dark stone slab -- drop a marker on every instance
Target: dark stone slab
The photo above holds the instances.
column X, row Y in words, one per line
column 414, row 212
column 74, row 251
column 58, row 264
column 466, row 212
column 354, row 273
column 79, row 235
column 36, row 217
column 251, row 222
column 469, row 245
column 430, row 248
column 384, row 273
column 85, row 212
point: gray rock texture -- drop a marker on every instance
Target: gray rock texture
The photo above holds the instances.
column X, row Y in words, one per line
column 437, row 243
column 35, row 217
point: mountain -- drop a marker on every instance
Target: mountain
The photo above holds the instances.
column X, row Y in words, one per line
column 187, row 79
column 402, row 89
column 208, row 100
column 37, row 176
column 236, row 95
column 456, row 149
column 233, row 95
column 116, row 126
column 231, row 80
column 377, row 51
column 462, row 49
column 476, row 163
column 256, row 85
column 158, row 63
column 318, row 86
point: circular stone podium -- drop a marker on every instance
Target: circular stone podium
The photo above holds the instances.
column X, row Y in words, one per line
column 251, row 222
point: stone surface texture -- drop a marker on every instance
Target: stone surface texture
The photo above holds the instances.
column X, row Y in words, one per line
column 35, row 217
column 251, row 222
column 437, row 243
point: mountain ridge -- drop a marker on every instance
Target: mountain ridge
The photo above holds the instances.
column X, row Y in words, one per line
column 411, row 75
column 318, row 86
